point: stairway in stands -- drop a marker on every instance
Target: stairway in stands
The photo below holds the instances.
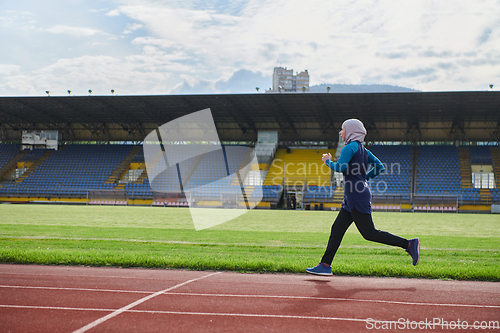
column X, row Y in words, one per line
column 11, row 165
column 275, row 173
column 337, row 177
column 495, row 155
column 339, row 194
column 35, row 165
column 485, row 196
column 465, row 170
column 241, row 175
column 142, row 176
column 122, row 168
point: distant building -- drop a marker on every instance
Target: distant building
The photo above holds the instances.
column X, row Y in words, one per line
column 284, row 78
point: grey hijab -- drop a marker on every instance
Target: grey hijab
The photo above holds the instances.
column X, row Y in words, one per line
column 354, row 131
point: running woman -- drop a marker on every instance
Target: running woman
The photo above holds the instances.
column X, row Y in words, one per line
column 353, row 163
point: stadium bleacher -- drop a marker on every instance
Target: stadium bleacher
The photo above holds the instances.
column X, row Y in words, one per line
column 76, row 168
column 70, row 171
column 438, row 170
column 315, row 193
column 495, row 195
column 7, row 152
column 480, row 155
column 303, row 170
column 32, row 155
column 396, row 179
column 205, row 177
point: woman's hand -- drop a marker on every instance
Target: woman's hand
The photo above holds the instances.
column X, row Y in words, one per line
column 326, row 157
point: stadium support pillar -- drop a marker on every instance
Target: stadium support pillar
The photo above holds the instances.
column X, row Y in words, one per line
column 458, row 129
column 3, row 136
column 369, row 112
column 495, row 130
column 413, row 132
column 323, row 118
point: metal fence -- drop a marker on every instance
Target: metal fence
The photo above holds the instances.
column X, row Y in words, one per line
column 107, row 197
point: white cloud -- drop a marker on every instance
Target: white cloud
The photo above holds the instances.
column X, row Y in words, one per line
column 243, row 81
column 150, row 72
column 16, row 19
column 9, row 69
column 194, row 85
column 132, row 27
column 93, row 10
column 198, row 46
column 152, row 41
column 75, row 31
column 113, row 12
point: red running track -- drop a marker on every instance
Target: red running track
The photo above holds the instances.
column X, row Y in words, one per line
column 86, row 299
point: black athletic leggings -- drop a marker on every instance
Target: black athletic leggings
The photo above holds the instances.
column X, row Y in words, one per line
column 365, row 225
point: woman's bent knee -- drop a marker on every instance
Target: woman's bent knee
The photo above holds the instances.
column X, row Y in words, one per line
column 370, row 235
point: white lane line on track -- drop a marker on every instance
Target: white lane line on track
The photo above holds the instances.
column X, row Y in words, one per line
column 37, row 307
column 142, row 300
column 81, row 289
column 264, row 315
column 341, row 299
column 291, row 297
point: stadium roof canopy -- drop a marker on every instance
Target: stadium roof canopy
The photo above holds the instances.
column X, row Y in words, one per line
column 413, row 116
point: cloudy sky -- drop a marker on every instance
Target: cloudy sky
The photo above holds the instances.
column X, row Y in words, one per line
column 232, row 46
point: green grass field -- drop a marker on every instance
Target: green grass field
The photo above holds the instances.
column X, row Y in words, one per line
column 453, row 246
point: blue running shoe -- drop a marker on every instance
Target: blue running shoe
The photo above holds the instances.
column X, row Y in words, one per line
column 414, row 250
column 320, row 270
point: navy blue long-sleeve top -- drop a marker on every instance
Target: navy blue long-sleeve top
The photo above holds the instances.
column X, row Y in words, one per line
column 354, row 162
column 347, row 153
